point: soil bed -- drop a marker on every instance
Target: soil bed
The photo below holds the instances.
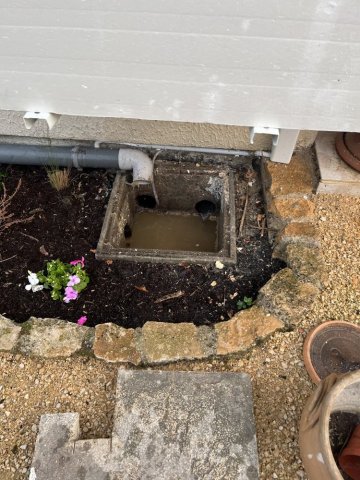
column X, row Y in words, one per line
column 67, row 225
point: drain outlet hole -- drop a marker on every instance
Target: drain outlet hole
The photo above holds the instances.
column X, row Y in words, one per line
column 127, row 231
column 146, row 201
column 129, row 178
column 205, row 208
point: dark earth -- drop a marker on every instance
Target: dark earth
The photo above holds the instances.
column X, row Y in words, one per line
column 342, row 425
column 67, row 226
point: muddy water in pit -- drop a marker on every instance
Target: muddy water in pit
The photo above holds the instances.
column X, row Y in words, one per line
column 164, row 231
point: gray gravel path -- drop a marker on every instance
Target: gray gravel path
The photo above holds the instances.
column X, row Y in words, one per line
column 29, row 388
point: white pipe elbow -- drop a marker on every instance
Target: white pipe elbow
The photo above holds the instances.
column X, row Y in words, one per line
column 137, row 161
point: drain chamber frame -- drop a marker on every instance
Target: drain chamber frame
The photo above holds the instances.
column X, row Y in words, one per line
column 220, row 179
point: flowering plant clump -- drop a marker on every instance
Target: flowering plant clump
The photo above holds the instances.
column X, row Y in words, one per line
column 65, row 280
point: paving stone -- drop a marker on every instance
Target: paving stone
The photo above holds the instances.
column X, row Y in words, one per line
column 296, row 177
column 306, row 262
column 292, row 208
column 184, row 425
column 167, row 425
column 59, row 455
column 50, row 337
column 9, row 333
column 164, row 342
column 286, row 297
column 243, row 330
column 116, row 344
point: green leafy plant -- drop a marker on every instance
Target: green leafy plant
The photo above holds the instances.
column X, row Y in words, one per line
column 246, row 302
column 65, row 280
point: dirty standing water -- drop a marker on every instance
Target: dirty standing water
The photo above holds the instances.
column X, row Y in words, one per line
column 152, row 230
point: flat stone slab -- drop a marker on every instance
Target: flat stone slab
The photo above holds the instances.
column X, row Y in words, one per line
column 164, row 342
column 9, row 334
column 116, row 344
column 335, row 175
column 51, row 338
column 167, row 426
column 286, row 296
column 244, row 329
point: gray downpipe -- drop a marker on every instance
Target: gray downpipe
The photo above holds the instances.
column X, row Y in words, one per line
column 80, row 157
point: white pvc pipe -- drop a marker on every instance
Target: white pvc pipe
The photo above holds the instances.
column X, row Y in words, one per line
column 217, row 151
column 137, row 161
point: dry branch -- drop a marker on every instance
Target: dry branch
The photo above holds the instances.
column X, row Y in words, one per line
column 244, row 213
column 6, row 218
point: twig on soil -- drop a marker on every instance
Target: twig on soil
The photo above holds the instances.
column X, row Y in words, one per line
column 263, row 226
column 244, row 213
column 196, row 289
column 6, row 218
column 6, row 259
column 36, row 210
column 261, row 219
column 170, row 296
column 29, row 236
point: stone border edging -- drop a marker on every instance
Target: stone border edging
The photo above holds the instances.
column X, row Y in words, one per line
column 288, row 191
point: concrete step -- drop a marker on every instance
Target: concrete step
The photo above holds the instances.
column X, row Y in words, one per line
column 167, row 426
column 335, row 175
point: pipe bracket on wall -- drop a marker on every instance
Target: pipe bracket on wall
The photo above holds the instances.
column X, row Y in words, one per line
column 265, row 130
column 283, row 150
column 31, row 117
column 283, row 142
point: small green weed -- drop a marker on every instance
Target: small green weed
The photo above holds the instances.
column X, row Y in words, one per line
column 246, row 302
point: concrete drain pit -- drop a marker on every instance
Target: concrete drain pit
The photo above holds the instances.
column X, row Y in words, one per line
column 188, row 214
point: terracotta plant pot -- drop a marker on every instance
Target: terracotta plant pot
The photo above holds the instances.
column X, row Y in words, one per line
column 348, row 147
column 336, row 393
column 349, row 459
column 332, row 347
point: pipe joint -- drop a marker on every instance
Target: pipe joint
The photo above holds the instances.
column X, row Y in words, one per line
column 137, row 161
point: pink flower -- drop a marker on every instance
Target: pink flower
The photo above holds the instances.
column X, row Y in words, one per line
column 82, row 320
column 70, row 294
column 73, row 280
column 80, row 260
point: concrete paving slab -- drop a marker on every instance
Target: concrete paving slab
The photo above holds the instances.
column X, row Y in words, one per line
column 335, row 175
column 167, row 426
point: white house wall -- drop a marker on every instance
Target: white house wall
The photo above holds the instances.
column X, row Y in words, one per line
column 274, row 63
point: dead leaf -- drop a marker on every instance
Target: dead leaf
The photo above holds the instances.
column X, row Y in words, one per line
column 141, row 289
column 43, row 251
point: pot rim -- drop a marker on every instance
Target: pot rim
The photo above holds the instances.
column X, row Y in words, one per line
column 308, row 341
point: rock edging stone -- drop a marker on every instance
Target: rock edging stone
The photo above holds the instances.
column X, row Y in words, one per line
column 155, row 343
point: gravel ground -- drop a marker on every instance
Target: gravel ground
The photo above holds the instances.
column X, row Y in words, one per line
column 31, row 387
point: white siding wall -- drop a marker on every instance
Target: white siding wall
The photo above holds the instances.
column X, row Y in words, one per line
column 280, row 63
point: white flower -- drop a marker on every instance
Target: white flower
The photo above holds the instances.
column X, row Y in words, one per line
column 33, row 282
